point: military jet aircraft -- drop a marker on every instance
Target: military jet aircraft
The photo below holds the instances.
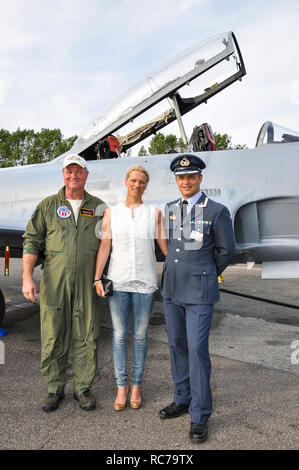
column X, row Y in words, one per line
column 262, row 196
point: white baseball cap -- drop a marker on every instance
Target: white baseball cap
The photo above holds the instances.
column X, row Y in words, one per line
column 74, row 158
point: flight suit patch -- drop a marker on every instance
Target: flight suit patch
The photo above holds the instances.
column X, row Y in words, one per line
column 64, row 212
column 87, row 212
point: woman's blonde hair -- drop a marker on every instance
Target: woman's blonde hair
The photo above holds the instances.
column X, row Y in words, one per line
column 137, row 168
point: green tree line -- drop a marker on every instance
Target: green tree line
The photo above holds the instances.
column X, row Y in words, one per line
column 161, row 144
column 23, row 147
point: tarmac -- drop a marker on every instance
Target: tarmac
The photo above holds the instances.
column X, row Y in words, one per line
column 255, row 377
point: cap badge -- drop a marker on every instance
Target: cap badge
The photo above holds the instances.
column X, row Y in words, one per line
column 185, row 162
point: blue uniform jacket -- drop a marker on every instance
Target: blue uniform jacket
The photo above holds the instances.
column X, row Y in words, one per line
column 199, row 248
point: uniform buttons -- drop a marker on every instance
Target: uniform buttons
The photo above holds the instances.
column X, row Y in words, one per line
column 179, row 239
column 176, row 260
column 177, row 250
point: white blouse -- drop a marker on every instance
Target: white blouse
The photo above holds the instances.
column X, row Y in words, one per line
column 132, row 264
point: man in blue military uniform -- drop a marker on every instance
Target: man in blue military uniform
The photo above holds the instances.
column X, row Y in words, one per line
column 201, row 246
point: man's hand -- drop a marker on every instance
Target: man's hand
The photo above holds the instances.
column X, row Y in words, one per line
column 29, row 290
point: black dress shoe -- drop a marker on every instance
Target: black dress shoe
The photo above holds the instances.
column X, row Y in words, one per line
column 198, row 432
column 173, row 410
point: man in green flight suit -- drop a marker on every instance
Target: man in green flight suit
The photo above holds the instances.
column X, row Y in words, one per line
column 65, row 227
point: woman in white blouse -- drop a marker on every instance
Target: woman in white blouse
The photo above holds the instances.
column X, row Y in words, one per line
column 131, row 227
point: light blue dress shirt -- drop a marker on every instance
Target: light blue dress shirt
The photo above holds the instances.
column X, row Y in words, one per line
column 192, row 200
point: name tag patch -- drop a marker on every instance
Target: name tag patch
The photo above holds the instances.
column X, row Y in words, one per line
column 87, row 212
column 64, row 212
column 196, row 236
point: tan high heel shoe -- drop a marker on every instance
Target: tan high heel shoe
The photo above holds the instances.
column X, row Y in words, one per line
column 120, row 406
column 136, row 403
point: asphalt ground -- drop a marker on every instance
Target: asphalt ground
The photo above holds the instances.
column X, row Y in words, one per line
column 255, row 377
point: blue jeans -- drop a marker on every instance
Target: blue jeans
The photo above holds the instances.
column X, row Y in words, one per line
column 142, row 305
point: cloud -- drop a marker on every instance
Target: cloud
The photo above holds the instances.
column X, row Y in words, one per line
column 269, row 48
column 186, row 5
column 63, row 62
column 86, row 53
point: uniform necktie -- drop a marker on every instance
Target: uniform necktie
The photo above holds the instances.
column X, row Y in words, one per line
column 184, row 203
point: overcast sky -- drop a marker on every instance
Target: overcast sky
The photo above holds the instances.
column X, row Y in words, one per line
column 62, row 62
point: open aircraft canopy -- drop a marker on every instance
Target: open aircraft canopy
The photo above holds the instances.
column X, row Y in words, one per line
column 214, row 63
column 271, row 133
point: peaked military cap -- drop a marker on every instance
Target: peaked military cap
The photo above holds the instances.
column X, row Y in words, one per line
column 187, row 164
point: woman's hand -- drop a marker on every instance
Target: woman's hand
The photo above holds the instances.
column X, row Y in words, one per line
column 103, row 253
column 161, row 235
column 100, row 289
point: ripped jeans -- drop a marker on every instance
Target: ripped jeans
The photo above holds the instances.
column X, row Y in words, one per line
column 120, row 305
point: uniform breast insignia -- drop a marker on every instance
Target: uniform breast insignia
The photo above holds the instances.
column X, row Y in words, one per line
column 64, row 212
column 185, row 161
column 87, row 212
column 173, row 217
column 201, row 222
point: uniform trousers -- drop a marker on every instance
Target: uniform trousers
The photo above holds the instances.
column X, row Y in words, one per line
column 66, row 324
column 188, row 328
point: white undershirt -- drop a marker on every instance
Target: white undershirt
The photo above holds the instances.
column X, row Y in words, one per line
column 75, row 203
